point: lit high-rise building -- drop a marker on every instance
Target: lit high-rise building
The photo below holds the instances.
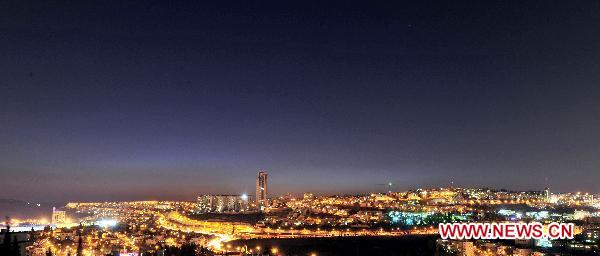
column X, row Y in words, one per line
column 58, row 217
column 261, row 190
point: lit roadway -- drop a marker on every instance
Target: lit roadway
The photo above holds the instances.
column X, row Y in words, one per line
column 227, row 231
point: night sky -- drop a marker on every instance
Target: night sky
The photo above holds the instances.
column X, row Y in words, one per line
column 123, row 100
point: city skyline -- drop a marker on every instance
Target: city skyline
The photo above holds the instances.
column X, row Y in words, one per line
column 219, row 224
column 169, row 100
column 243, row 195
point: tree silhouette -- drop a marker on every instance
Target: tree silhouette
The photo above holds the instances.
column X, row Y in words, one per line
column 32, row 235
column 5, row 249
column 79, row 242
column 15, row 247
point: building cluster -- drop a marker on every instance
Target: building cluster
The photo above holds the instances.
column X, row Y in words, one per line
column 112, row 228
column 224, row 203
column 102, row 228
column 237, row 203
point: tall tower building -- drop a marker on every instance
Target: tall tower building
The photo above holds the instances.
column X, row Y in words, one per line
column 261, row 190
column 547, row 194
column 58, row 217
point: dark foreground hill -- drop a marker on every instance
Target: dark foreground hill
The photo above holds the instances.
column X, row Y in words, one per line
column 413, row 245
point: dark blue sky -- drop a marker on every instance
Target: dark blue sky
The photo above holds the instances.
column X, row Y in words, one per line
column 156, row 99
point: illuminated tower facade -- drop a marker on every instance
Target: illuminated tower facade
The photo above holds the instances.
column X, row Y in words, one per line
column 58, row 217
column 261, row 190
